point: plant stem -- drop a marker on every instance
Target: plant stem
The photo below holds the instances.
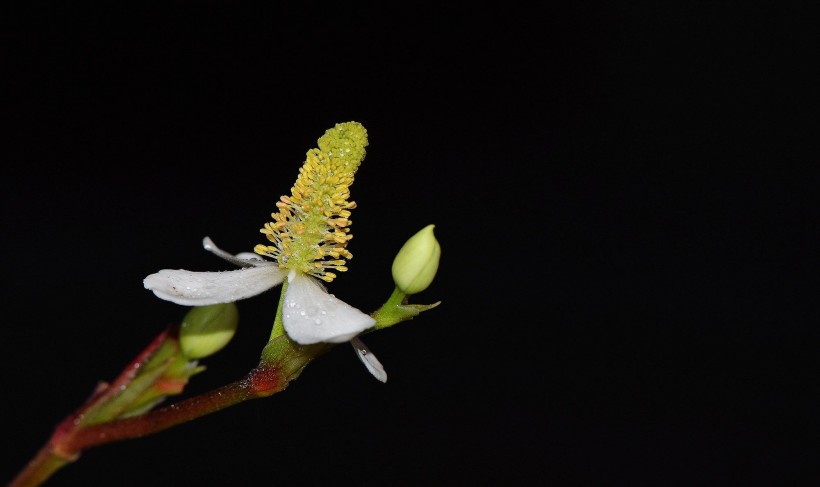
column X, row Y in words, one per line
column 40, row 468
column 259, row 383
column 69, row 439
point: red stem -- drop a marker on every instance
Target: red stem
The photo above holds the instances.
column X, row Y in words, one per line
column 68, row 441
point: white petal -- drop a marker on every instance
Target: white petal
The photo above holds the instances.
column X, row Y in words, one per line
column 202, row 288
column 368, row 359
column 311, row 315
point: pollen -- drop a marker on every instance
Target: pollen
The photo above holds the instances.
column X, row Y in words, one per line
column 311, row 229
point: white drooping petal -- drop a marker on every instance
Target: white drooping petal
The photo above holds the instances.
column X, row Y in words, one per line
column 311, row 315
column 203, row 288
column 243, row 259
column 368, row 359
column 254, row 259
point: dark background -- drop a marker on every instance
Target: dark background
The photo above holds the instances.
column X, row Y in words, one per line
column 622, row 192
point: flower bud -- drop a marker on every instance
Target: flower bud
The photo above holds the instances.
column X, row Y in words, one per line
column 416, row 264
column 206, row 329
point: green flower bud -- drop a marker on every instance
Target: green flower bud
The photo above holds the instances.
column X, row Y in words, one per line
column 206, row 329
column 416, row 264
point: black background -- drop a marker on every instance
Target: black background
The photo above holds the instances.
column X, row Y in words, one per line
column 622, row 192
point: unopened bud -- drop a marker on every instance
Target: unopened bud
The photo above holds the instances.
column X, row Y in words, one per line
column 416, row 264
column 206, row 329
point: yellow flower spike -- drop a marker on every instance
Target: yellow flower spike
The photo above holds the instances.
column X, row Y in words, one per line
column 312, row 224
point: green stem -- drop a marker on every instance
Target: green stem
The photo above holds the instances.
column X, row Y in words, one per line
column 278, row 325
column 395, row 310
column 388, row 314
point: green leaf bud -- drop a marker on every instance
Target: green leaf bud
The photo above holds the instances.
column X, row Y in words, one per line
column 416, row 263
column 206, row 329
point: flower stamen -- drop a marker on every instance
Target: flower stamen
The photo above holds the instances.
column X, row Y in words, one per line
column 311, row 229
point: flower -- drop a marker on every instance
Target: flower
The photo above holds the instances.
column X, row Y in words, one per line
column 308, row 241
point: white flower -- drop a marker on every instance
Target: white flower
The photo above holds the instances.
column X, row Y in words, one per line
column 307, row 241
column 309, row 315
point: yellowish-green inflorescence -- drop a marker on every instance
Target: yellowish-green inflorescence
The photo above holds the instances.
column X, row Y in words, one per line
column 312, row 227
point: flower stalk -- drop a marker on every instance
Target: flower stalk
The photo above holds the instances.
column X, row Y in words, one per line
column 281, row 362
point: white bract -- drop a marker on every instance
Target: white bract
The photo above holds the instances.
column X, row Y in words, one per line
column 310, row 314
